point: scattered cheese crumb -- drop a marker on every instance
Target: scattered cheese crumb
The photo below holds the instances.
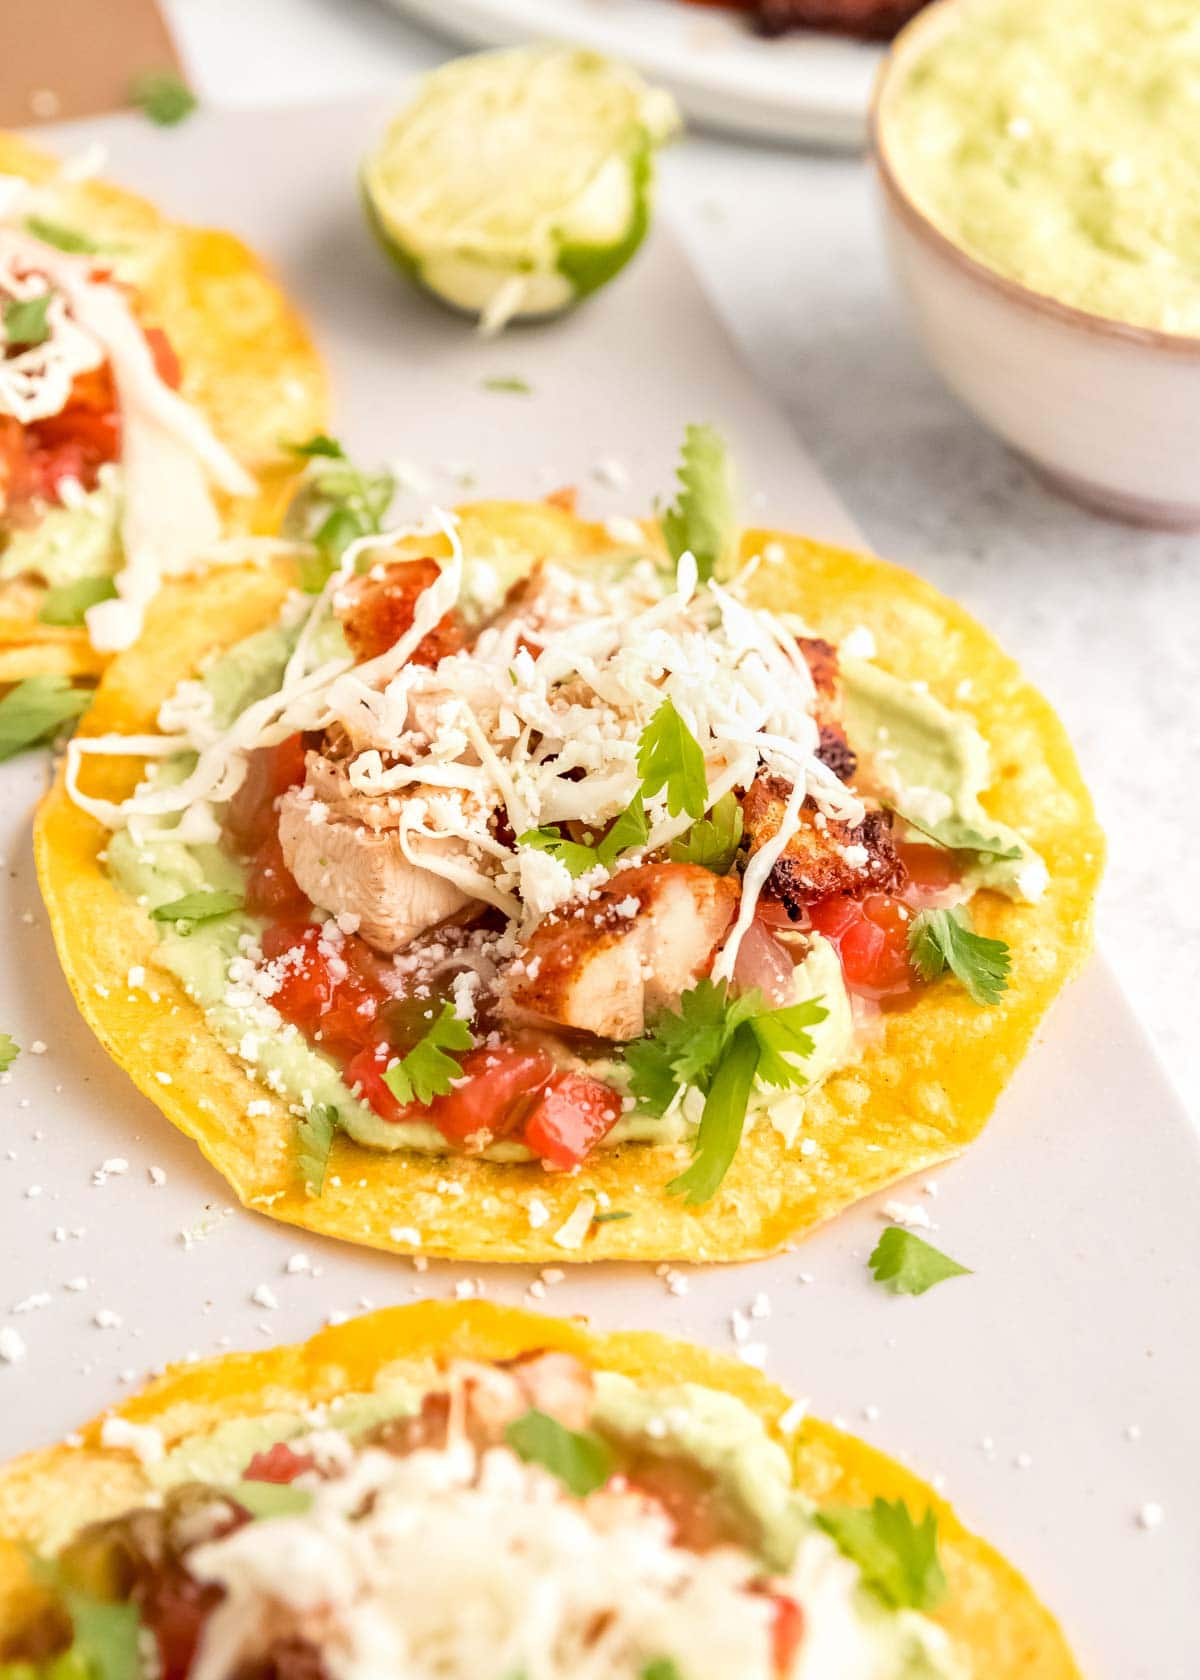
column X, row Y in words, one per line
column 1150, row 1515
column 576, row 1225
column 143, row 1441
column 264, row 1296
column 105, row 1319
column 12, row 1346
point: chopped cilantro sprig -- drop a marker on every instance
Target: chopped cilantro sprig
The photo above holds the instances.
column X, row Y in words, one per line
column 67, row 603
column 944, row 940
column 722, row 1046
column 37, row 708
column 9, row 1051
column 430, row 1068
column 703, row 519
column 898, row 1558
column 162, row 96
column 581, row 1460
column 908, row 1265
column 315, row 1133
column 26, row 321
column 669, row 758
column 203, row 906
column 339, row 504
column 712, row 841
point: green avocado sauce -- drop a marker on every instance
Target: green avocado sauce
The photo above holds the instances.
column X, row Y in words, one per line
column 68, row 544
column 1059, row 144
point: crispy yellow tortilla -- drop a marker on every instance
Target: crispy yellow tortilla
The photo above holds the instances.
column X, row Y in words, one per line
column 990, row 1612
column 921, row 1089
column 248, row 365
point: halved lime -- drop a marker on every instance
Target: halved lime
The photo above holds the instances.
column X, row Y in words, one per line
column 516, row 182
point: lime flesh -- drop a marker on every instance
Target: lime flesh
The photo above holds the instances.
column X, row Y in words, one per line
column 516, row 182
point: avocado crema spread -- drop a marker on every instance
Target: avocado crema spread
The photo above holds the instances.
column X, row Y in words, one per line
column 480, row 873
column 534, row 1517
column 1060, row 145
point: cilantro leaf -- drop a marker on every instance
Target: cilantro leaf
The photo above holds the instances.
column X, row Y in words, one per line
column 907, row 1265
column 703, row 520
column 162, row 96
column 898, row 1558
column 338, row 504
column 25, row 322
column 955, row 835
column 59, row 235
column 629, row 830
column 203, row 906
column 581, row 1461
column 712, row 842
column 36, row 708
column 722, row 1120
column 944, row 939
column 661, row 1668
column 669, row 757
column 314, row 1141
column 320, row 444
column 610, row 1215
column 684, row 1046
column 572, row 854
column 780, row 1034
column 429, row 1070
column 509, row 383
column 105, row 1644
column 9, row 1051
column 264, row 1500
column 66, row 603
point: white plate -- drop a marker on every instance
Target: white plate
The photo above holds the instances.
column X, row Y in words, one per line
column 806, row 88
column 1077, row 1210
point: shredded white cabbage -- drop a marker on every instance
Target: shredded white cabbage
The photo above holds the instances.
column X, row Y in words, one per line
column 540, row 720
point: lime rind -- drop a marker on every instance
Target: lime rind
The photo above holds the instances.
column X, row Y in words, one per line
column 518, row 182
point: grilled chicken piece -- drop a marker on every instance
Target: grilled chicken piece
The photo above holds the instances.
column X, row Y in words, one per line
column 485, row 1399
column 633, row 948
column 814, row 863
column 377, row 608
column 835, row 750
column 349, row 868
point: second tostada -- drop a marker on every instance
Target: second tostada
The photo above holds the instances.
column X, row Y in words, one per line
column 149, row 375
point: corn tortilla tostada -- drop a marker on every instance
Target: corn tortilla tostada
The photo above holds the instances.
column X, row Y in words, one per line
column 398, row 1484
column 151, row 374
column 723, row 917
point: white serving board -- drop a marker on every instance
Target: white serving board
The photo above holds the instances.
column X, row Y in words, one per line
column 806, row 88
column 1077, row 1210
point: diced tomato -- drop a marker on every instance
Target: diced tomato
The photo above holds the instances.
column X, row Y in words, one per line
column 271, row 888
column 572, row 1114
column 787, row 1631
column 364, row 1076
column 271, row 771
column 175, row 1607
column 383, row 608
column 278, row 1464
column 871, row 937
column 166, row 362
column 318, row 991
column 931, row 868
column 492, row 1094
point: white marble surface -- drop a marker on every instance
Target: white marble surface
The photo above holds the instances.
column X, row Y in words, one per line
column 1106, row 619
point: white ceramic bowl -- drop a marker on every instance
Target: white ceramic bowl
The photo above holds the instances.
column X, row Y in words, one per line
column 1107, row 413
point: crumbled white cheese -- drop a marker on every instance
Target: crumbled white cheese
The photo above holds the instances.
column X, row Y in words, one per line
column 141, row 1439
column 12, row 1346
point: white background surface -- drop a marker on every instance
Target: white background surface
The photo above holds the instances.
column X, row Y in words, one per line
column 1077, row 1212
column 1105, row 619
column 1053, row 1389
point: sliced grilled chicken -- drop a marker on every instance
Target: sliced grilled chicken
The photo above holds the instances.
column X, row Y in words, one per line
column 633, row 948
column 349, row 869
column 835, row 750
column 823, row 857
